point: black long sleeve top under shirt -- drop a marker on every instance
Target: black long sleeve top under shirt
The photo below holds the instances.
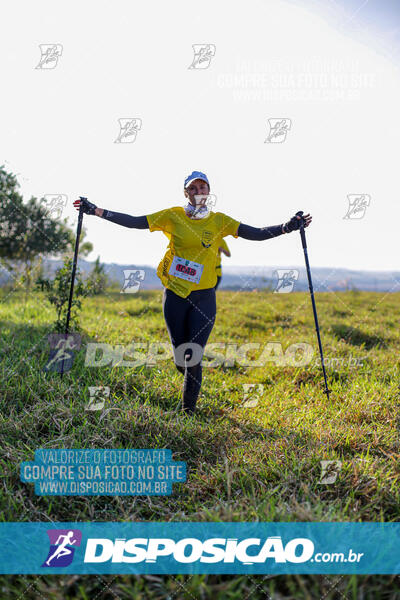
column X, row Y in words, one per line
column 246, row 232
column 126, row 220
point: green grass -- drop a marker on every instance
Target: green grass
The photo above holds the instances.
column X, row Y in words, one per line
column 244, row 464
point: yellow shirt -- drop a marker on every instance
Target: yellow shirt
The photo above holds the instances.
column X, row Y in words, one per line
column 192, row 239
column 223, row 245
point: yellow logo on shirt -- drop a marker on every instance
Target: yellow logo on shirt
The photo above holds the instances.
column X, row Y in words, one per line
column 207, row 238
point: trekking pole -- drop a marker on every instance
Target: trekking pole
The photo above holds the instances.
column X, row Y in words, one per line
column 310, row 285
column 71, row 290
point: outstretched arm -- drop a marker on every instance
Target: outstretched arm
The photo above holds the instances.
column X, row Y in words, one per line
column 265, row 233
column 259, row 233
column 123, row 219
column 114, row 217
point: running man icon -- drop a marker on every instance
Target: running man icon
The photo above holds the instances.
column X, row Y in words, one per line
column 60, row 555
column 62, row 351
column 62, row 550
column 62, row 346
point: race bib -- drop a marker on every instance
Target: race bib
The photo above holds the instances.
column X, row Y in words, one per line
column 186, row 269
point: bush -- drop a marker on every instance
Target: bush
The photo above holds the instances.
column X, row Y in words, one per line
column 57, row 291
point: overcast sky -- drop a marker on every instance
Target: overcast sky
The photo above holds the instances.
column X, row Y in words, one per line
column 329, row 68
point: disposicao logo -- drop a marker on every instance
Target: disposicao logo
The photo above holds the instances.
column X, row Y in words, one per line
column 62, row 547
column 190, row 550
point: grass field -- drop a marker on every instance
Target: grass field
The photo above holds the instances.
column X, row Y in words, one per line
column 244, row 463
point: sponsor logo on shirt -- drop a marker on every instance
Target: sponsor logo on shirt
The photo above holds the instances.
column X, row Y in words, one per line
column 165, row 266
column 207, row 238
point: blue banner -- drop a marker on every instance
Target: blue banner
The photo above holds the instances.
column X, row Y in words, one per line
column 161, row 547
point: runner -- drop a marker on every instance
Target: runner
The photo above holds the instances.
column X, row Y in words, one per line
column 62, row 549
column 187, row 270
column 223, row 247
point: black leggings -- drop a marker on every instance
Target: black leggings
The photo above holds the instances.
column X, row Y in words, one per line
column 189, row 321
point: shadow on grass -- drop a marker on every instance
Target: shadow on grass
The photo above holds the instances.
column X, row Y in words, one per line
column 207, row 434
column 25, row 340
column 148, row 309
column 356, row 337
column 19, row 341
column 146, row 415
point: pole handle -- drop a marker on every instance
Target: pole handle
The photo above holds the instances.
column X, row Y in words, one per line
column 302, row 232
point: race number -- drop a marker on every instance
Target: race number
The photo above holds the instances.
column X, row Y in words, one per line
column 186, row 269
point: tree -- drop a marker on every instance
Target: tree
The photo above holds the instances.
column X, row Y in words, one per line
column 27, row 233
column 98, row 278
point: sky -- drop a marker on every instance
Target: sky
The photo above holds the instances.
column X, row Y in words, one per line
column 327, row 71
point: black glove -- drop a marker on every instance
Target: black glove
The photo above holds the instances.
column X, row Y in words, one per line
column 294, row 224
column 87, row 207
